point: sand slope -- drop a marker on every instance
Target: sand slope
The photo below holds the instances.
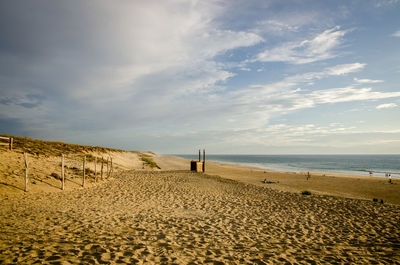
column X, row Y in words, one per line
column 178, row 217
column 45, row 170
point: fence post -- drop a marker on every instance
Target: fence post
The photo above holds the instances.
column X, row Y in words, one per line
column 83, row 176
column 95, row 168
column 26, row 171
column 11, row 144
column 111, row 169
column 102, row 164
column 62, row 172
column 204, row 160
column 108, row 174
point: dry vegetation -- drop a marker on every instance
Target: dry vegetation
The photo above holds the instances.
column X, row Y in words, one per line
column 48, row 148
column 150, row 162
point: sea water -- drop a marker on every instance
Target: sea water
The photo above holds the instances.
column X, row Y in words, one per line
column 378, row 165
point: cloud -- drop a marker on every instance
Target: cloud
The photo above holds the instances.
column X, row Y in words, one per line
column 301, row 138
column 343, row 69
column 396, row 34
column 169, row 71
column 294, row 22
column 321, row 47
column 86, row 60
column 276, row 26
column 337, row 70
column 367, row 81
column 347, row 94
column 386, row 106
column 257, row 104
column 288, row 83
column 383, row 3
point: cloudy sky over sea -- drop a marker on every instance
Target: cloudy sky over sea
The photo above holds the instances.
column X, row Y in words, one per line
column 256, row 77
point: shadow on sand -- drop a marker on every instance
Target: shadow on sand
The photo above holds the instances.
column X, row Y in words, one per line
column 51, row 185
column 11, row 186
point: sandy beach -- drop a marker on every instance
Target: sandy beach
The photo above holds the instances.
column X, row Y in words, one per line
column 178, row 217
column 174, row 216
column 339, row 185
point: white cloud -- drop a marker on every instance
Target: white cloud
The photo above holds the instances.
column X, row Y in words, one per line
column 343, row 69
column 386, row 106
column 367, row 81
column 396, row 34
column 287, row 84
column 127, row 56
column 347, row 94
column 337, row 70
column 319, row 48
column 289, row 23
column 383, row 3
column 155, row 67
column 256, row 104
column 299, row 138
column 276, row 26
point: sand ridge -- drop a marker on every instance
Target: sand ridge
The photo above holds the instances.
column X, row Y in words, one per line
column 179, row 217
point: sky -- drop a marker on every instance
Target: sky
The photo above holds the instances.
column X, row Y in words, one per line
column 231, row 77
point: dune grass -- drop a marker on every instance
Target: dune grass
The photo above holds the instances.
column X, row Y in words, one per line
column 49, row 148
column 148, row 161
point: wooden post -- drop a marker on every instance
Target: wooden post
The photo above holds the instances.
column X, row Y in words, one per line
column 102, row 164
column 62, row 172
column 199, row 156
column 111, row 169
column 11, row 144
column 95, row 168
column 108, row 174
column 26, row 171
column 83, row 176
column 204, row 160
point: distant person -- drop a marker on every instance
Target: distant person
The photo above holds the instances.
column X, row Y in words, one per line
column 370, row 173
column 308, row 175
column 390, row 178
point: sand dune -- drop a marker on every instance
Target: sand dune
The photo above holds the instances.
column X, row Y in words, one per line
column 45, row 170
column 179, row 217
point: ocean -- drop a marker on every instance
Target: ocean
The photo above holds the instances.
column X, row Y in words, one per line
column 379, row 165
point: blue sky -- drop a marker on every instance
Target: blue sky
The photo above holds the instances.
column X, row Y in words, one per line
column 252, row 77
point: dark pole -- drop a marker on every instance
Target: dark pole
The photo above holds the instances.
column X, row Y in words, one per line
column 199, row 155
column 204, row 160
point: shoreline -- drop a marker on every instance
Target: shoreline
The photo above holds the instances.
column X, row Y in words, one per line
column 277, row 170
column 320, row 183
column 294, row 170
